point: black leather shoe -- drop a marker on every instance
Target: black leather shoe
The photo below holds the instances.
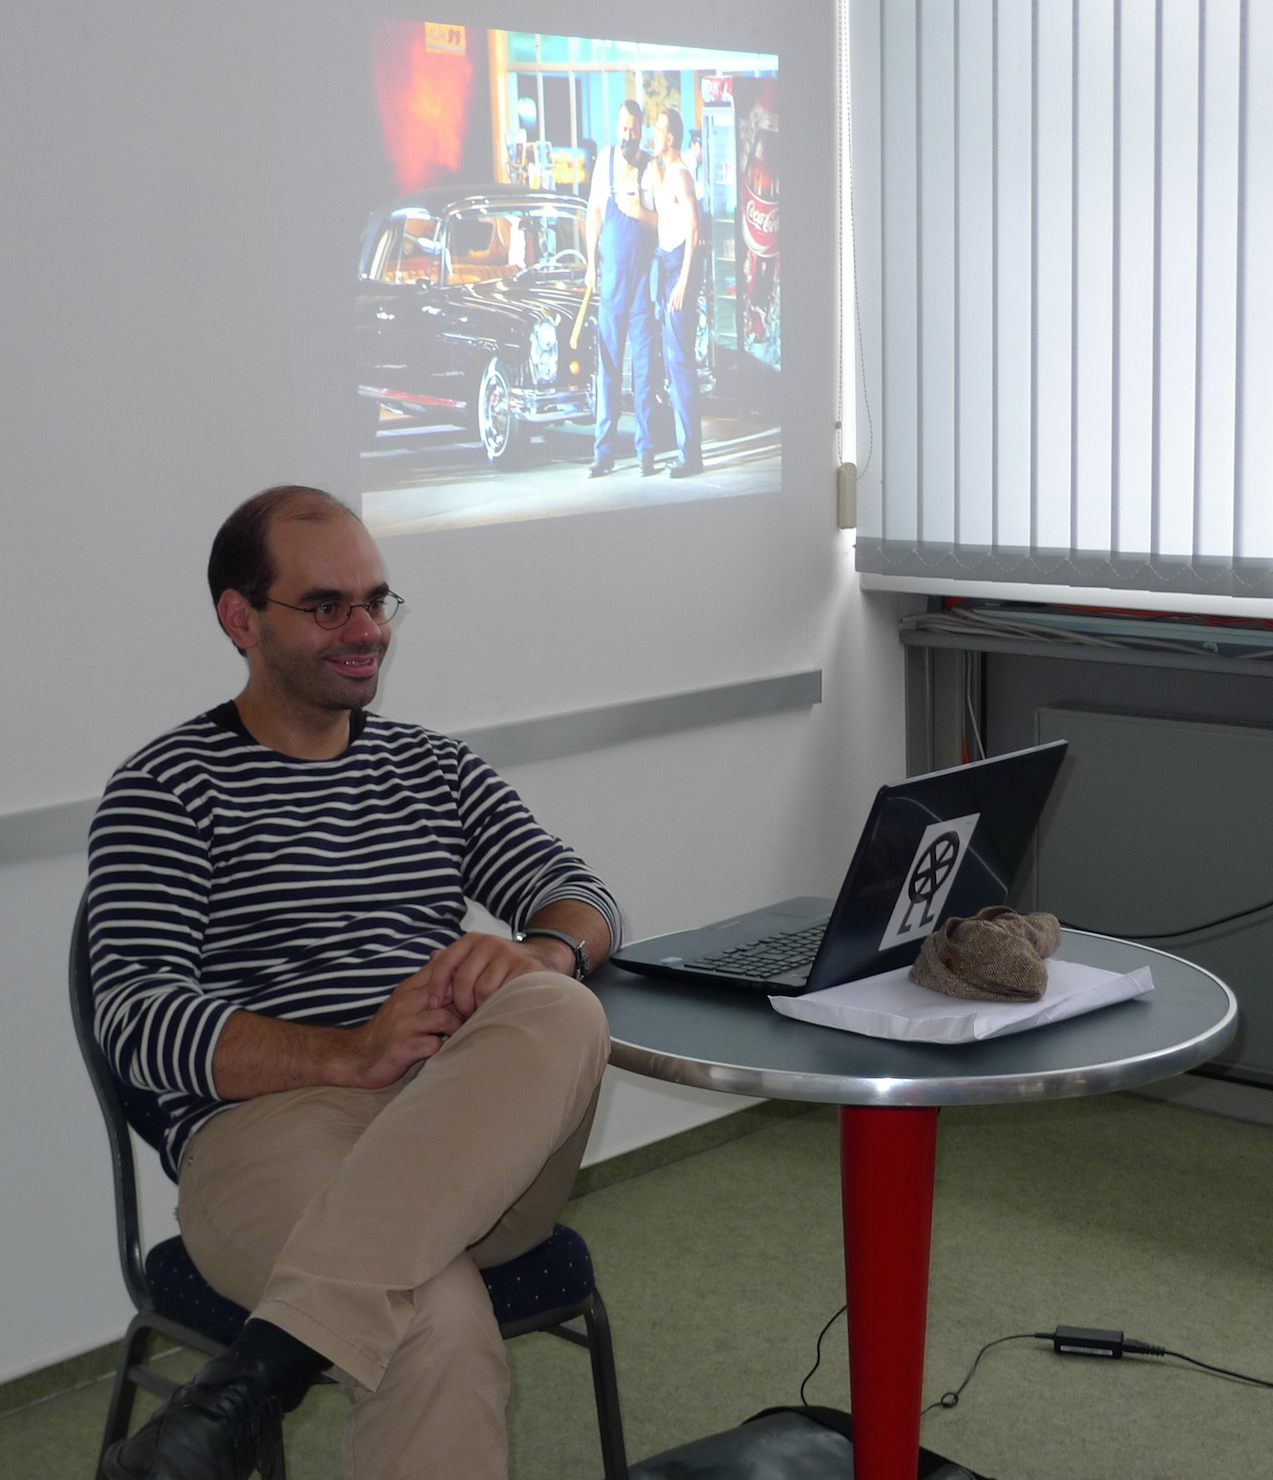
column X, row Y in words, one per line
column 682, row 469
column 601, row 467
column 648, row 468
column 221, row 1426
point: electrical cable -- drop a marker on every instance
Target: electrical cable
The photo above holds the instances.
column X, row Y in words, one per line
column 818, row 1357
column 951, row 1399
column 1066, row 1340
column 1130, row 1348
column 933, row 621
column 1175, row 934
column 972, row 713
column 1206, row 1366
column 957, row 619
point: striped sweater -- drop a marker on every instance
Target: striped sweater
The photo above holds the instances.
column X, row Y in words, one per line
column 224, row 875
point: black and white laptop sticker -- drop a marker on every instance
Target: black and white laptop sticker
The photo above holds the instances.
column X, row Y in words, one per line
column 929, row 880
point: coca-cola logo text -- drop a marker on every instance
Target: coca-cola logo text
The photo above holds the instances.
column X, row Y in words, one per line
column 760, row 222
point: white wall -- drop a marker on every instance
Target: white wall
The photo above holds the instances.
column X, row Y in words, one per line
column 175, row 285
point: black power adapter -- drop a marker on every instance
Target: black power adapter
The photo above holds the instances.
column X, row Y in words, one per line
column 1084, row 1341
column 1067, row 1341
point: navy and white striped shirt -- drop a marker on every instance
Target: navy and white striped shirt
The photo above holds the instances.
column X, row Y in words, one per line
column 224, row 875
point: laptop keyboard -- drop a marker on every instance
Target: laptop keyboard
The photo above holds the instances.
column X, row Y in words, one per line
column 772, row 956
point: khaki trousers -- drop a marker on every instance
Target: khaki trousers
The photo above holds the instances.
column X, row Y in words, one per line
column 357, row 1220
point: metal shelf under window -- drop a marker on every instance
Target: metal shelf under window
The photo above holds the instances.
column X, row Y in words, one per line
column 1043, row 632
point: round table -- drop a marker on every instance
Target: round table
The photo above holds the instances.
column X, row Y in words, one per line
column 889, row 1094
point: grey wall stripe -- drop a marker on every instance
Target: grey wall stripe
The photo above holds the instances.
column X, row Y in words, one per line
column 45, row 832
column 48, row 832
column 615, row 724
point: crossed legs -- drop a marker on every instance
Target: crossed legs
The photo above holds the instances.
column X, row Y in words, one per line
column 357, row 1220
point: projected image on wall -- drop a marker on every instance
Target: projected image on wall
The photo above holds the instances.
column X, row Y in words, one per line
column 573, row 300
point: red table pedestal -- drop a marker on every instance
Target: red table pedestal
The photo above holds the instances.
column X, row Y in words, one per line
column 887, row 1159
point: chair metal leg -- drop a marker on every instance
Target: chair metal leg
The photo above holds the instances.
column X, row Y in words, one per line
column 605, row 1385
column 124, row 1393
column 273, row 1464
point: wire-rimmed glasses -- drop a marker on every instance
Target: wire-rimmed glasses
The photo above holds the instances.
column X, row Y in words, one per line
column 334, row 614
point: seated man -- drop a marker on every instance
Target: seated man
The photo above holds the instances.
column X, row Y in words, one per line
column 365, row 1105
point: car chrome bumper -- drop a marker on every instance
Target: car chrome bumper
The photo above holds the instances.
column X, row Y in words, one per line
column 549, row 405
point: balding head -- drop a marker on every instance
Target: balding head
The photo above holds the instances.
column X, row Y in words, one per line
column 241, row 560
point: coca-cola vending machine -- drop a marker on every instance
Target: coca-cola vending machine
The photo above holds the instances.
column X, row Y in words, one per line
column 756, row 221
column 719, row 206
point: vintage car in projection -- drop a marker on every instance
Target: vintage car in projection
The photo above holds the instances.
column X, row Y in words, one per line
column 467, row 303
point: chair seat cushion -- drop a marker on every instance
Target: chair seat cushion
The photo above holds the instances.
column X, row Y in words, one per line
column 554, row 1274
column 182, row 1294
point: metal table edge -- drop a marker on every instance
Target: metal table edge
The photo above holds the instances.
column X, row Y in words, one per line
column 975, row 1089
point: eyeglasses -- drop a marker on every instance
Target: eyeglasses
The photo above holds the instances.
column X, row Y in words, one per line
column 333, row 614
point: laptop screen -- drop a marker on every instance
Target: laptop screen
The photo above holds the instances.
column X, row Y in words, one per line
column 948, row 843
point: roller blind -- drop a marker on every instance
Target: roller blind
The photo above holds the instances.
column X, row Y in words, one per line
column 1064, row 248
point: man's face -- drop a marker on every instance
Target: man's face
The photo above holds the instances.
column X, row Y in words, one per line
column 629, row 127
column 331, row 560
column 661, row 139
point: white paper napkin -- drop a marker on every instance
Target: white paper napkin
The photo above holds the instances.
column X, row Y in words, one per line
column 892, row 1006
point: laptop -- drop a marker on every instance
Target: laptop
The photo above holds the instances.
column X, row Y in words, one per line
column 948, row 843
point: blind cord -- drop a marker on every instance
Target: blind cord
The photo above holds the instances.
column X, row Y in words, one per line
column 846, row 116
column 841, row 108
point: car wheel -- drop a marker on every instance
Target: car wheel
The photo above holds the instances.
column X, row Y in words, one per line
column 503, row 435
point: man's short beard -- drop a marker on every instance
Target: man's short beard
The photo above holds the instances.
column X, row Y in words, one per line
column 302, row 679
column 631, row 150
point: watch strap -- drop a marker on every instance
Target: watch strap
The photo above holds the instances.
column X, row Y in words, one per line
column 582, row 964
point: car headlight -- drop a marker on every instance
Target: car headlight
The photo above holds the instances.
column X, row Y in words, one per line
column 543, row 352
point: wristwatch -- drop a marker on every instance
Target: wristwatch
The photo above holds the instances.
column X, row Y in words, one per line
column 582, row 964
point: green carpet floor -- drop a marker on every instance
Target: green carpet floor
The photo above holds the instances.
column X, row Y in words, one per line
column 720, row 1269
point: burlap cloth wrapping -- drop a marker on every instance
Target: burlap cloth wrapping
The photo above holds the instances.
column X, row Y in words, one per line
column 995, row 955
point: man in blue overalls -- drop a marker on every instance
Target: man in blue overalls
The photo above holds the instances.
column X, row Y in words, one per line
column 621, row 239
column 679, row 277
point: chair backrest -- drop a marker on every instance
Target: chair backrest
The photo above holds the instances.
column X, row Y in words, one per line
column 110, row 1098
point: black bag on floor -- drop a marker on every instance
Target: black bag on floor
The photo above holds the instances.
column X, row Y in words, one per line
column 781, row 1444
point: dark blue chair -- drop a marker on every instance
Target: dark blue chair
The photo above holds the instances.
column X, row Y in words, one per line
column 541, row 1291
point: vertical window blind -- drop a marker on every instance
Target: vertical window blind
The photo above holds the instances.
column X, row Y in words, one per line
column 1064, row 253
